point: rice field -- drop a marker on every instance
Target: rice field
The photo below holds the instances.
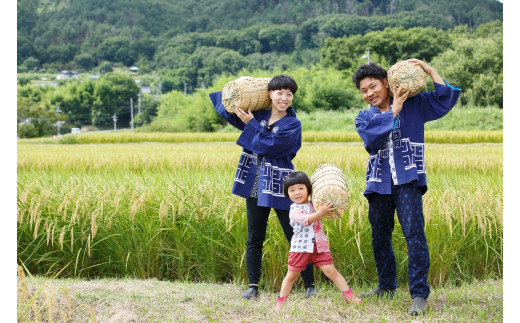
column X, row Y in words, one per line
column 165, row 211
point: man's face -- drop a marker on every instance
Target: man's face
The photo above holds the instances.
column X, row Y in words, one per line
column 374, row 91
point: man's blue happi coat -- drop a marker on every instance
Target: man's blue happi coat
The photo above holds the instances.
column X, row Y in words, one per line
column 277, row 149
column 396, row 146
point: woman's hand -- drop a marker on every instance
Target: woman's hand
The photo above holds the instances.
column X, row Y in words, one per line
column 244, row 116
column 245, row 78
column 399, row 99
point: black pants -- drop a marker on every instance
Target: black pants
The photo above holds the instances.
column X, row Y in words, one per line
column 257, row 217
column 406, row 199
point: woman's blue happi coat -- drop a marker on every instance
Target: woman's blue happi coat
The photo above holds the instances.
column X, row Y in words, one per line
column 277, row 149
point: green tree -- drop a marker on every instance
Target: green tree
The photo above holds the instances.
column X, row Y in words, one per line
column 85, row 61
column 277, row 38
column 112, row 94
column 475, row 64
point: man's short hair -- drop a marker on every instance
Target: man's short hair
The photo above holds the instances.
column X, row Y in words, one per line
column 369, row 70
column 283, row 81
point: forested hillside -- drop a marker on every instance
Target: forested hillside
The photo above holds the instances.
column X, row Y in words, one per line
column 186, row 45
column 223, row 35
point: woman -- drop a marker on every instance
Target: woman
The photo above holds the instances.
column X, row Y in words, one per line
column 270, row 140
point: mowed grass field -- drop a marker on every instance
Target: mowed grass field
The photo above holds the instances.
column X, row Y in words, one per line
column 165, row 211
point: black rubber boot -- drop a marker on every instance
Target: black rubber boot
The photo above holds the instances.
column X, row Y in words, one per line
column 251, row 292
column 310, row 291
column 418, row 306
column 380, row 292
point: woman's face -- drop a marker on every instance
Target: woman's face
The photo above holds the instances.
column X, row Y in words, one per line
column 281, row 99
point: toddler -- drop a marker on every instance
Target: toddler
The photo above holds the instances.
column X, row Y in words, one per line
column 309, row 243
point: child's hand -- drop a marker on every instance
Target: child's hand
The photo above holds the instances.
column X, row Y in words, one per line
column 327, row 208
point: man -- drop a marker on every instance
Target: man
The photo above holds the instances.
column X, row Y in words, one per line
column 392, row 130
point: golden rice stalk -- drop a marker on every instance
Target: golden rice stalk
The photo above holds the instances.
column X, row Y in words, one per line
column 48, row 227
column 136, row 205
column 24, row 195
column 63, row 207
column 50, row 300
column 19, row 214
column 62, row 237
column 52, row 233
column 68, row 303
column 163, row 211
column 74, row 216
column 23, row 293
column 71, row 237
column 88, row 245
column 36, row 226
column 92, row 312
column 93, row 226
column 34, row 211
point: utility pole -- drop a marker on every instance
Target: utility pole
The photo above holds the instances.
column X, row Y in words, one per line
column 367, row 55
column 59, row 123
column 184, row 88
column 139, row 101
column 132, row 113
column 114, row 117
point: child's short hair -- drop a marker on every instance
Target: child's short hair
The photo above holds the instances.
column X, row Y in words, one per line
column 296, row 178
column 283, row 81
column 369, row 70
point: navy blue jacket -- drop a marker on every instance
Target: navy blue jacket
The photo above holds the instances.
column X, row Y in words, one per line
column 396, row 146
column 277, row 149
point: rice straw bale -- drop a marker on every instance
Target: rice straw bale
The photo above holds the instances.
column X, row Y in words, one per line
column 244, row 94
column 409, row 76
column 329, row 184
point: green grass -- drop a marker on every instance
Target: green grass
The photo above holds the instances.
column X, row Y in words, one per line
column 163, row 301
column 160, row 210
column 435, row 136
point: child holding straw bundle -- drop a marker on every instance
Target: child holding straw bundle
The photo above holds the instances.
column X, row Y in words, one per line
column 308, row 244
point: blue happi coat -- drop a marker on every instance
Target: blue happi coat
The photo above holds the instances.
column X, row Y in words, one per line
column 396, row 146
column 277, row 149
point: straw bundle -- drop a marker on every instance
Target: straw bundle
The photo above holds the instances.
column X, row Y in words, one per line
column 329, row 184
column 246, row 95
column 409, row 76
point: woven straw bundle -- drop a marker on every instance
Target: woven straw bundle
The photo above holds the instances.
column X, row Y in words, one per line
column 409, row 76
column 329, row 184
column 245, row 94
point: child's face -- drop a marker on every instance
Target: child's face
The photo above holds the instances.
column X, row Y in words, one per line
column 298, row 193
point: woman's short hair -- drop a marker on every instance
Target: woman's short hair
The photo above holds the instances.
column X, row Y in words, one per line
column 296, row 178
column 369, row 70
column 283, row 81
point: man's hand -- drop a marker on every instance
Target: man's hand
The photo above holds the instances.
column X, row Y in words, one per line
column 399, row 99
column 428, row 69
